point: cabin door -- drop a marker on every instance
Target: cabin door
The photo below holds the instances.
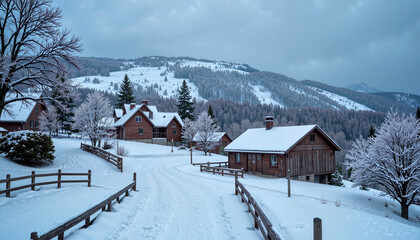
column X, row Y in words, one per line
column 259, row 163
column 252, row 163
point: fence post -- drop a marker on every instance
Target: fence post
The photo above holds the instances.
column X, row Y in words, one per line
column 33, row 181
column 8, row 185
column 59, row 179
column 242, row 171
column 201, row 168
column 236, row 183
column 317, row 229
column 121, row 162
column 214, row 170
column 208, row 164
column 89, row 178
column 288, row 183
column 256, row 218
column 135, row 181
column 34, row 235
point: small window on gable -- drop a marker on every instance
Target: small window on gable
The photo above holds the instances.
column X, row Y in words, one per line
column 173, row 124
column 150, row 115
column 141, row 131
column 273, row 160
column 312, row 137
column 238, row 158
column 174, row 132
column 138, row 118
column 36, row 110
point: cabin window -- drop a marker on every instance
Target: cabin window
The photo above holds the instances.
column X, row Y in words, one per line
column 174, row 132
column 36, row 123
column 238, row 158
column 141, row 131
column 312, row 137
column 258, row 157
column 307, row 178
column 138, row 118
column 150, row 115
column 31, row 124
column 173, row 125
column 273, row 160
column 37, row 110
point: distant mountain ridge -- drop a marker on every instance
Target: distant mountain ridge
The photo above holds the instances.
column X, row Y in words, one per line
column 162, row 76
column 363, row 87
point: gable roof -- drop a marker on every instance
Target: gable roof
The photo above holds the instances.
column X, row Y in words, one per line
column 118, row 113
column 216, row 137
column 160, row 119
column 20, row 111
column 275, row 140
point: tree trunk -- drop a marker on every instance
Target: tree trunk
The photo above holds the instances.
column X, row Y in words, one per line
column 3, row 92
column 404, row 208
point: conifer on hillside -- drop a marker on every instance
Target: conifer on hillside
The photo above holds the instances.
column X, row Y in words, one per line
column 211, row 114
column 125, row 93
column 185, row 104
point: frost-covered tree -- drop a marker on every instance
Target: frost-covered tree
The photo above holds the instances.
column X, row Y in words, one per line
column 391, row 159
column 188, row 132
column 185, row 105
column 34, row 48
column 49, row 120
column 93, row 118
column 125, row 94
column 206, row 133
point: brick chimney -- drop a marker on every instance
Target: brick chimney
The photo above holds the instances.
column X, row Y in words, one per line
column 132, row 105
column 269, row 122
column 145, row 102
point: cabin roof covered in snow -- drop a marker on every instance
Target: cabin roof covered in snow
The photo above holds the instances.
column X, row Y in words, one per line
column 216, row 136
column 118, row 113
column 160, row 119
column 2, row 129
column 20, row 111
column 275, row 140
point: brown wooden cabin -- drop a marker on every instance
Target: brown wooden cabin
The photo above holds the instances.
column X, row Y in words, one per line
column 306, row 150
column 24, row 116
column 221, row 138
column 144, row 123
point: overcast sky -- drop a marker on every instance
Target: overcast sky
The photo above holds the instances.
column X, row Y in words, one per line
column 335, row 42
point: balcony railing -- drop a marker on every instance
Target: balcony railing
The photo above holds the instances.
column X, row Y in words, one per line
column 159, row 135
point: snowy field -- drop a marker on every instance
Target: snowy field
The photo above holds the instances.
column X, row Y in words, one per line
column 343, row 101
column 176, row 201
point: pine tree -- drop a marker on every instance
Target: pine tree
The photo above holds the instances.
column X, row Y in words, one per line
column 185, row 104
column 64, row 105
column 371, row 132
column 211, row 114
column 125, row 94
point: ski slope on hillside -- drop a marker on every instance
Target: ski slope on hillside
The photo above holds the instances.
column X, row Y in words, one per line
column 176, row 201
column 343, row 101
column 264, row 96
column 141, row 76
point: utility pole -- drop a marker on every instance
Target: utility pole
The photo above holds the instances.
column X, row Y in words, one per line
column 288, row 182
column 191, row 151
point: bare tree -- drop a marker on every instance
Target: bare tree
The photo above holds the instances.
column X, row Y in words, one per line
column 206, row 138
column 48, row 121
column 94, row 118
column 34, row 50
column 391, row 159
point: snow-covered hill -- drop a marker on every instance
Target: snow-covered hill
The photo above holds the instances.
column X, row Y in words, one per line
column 177, row 201
column 237, row 82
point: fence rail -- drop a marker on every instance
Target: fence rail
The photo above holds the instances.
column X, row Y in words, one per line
column 225, row 164
column 104, row 206
column 109, row 157
column 261, row 221
column 33, row 177
column 221, row 170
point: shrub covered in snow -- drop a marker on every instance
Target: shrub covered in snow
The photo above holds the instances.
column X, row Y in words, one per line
column 336, row 178
column 27, row 147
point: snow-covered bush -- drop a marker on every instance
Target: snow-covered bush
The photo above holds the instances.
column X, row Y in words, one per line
column 390, row 160
column 336, row 178
column 121, row 151
column 28, row 147
column 108, row 144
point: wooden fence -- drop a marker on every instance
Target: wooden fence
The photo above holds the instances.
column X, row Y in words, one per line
column 113, row 159
column 261, row 221
column 225, row 164
column 221, row 170
column 104, row 206
column 33, row 177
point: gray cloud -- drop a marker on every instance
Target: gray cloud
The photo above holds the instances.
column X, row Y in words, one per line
column 336, row 42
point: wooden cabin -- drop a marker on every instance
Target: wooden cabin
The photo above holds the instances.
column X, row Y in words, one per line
column 144, row 123
column 24, row 116
column 221, row 138
column 307, row 151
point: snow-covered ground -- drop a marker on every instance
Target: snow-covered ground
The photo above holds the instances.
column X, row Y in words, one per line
column 343, row 101
column 176, row 201
column 141, row 76
column 264, row 96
